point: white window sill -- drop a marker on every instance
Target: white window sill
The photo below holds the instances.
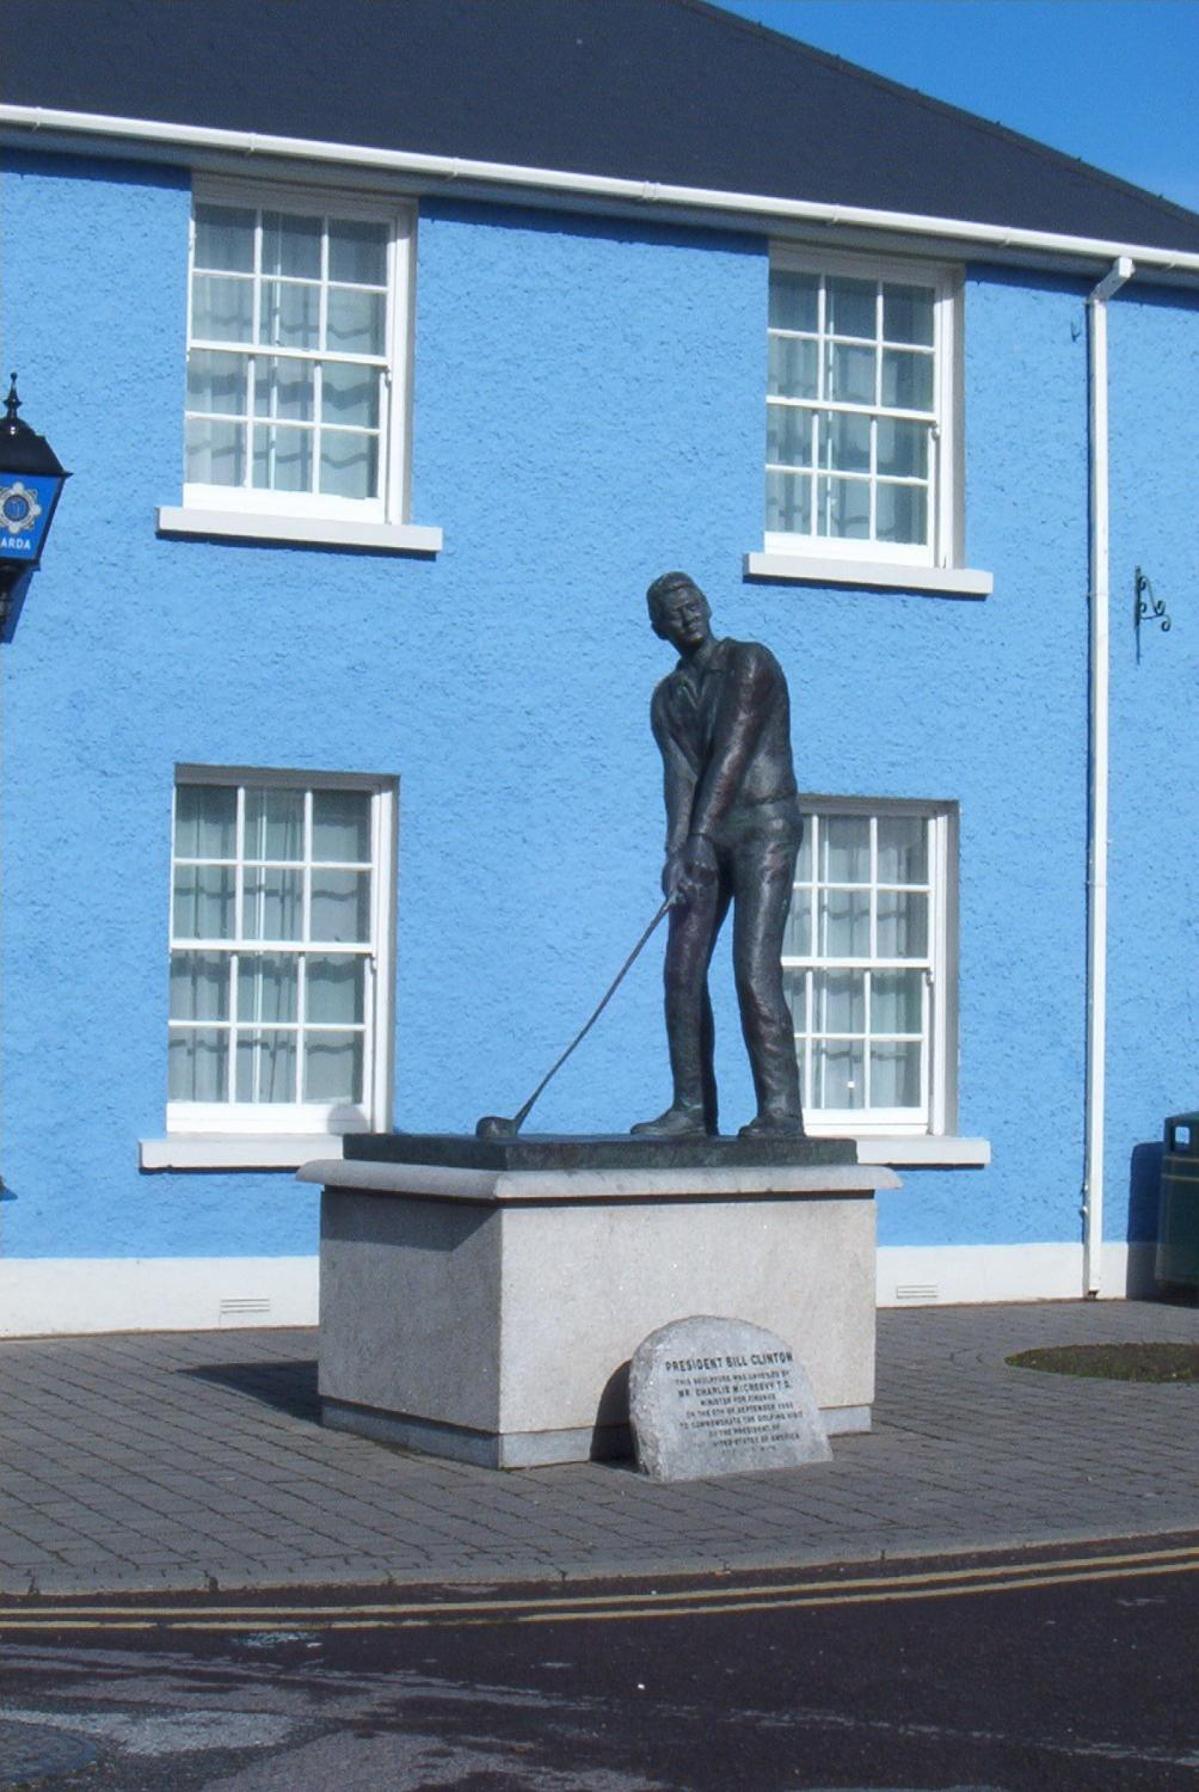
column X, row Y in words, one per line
column 233, row 1151
column 329, row 532
column 925, row 1150
column 878, row 575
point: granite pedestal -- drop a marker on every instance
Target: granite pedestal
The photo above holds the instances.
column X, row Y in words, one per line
column 481, row 1299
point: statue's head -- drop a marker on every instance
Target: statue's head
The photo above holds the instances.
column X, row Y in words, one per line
column 674, row 598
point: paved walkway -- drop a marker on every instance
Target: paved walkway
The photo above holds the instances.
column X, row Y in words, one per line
column 195, row 1460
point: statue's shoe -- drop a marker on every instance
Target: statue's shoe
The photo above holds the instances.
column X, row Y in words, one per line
column 675, row 1123
column 774, row 1126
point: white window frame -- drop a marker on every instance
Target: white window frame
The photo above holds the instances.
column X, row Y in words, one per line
column 850, row 560
column 250, row 513
column 938, row 1116
column 310, row 1119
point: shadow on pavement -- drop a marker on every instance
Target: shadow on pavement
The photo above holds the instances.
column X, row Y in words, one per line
column 288, row 1387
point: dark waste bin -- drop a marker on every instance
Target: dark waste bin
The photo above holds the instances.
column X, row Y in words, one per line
column 1178, row 1221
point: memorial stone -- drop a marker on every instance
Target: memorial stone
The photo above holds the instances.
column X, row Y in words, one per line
column 712, row 1396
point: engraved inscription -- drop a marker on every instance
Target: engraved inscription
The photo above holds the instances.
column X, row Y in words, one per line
column 733, row 1400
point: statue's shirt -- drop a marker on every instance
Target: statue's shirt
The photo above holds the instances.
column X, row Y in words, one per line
column 724, row 732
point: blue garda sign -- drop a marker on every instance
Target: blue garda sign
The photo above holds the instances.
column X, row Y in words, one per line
column 26, row 506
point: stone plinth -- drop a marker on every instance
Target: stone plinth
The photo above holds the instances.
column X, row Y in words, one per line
column 489, row 1314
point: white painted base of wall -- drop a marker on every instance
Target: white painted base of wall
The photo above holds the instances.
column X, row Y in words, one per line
column 952, row 1275
column 46, row 1297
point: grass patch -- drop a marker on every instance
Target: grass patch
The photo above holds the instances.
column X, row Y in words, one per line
column 1114, row 1362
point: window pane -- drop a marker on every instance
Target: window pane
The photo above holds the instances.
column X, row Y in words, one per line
column 794, row 300
column 840, row 1001
column 216, row 452
column 197, row 1064
column 350, row 395
column 291, row 245
column 205, row 821
column 838, row 1073
column 908, row 314
column 349, row 464
column 902, row 856
column 844, row 442
column 216, row 382
column 844, row 508
column 844, row 924
column 203, row 907
column 266, row 1067
column 200, row 985
column 341, row 825
column 797, row 941
column 358, row 252
column 907, row 380
column 272, row 907
column 903, row 448
column 851, row 308
column 222, row 309
column 225, row 239
column 336, row 991
column 333, row 1067
column 803, row 864
column 850, row 374
column 290, row 315
column 267, row 986
column 791, row 368
column 282, row 459
column 789, row 435
column 845, row 849
column 897, row 1002
column 902, row 513
column 341, row 905
column 895, row 1075
column 902, row 924
column 788, row 504
column 285, row 389
column 274, row 823
column 795, row 988
column 356, row 321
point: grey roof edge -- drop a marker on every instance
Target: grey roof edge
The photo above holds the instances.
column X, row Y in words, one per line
column 1060, row 158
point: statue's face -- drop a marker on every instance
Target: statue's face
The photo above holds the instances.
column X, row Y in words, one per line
column 682, row 618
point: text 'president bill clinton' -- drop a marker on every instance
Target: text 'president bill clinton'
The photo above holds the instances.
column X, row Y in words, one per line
column 722, row 722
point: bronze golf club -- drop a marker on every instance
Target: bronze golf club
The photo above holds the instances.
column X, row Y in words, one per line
column 497, row 1126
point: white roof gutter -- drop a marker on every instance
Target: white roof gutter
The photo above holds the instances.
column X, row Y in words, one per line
column 203, row 141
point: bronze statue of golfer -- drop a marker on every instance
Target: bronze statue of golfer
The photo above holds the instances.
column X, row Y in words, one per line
column 733, row 828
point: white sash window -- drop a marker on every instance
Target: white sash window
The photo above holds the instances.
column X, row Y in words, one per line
column 861, row 444
column 867, row 966
column 279, row 952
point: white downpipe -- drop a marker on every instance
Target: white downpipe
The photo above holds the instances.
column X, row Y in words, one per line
column 200, row 142
column 1122, row 270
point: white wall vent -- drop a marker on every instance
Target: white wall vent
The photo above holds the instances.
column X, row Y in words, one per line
column 917, row 1294
column 246, row 1311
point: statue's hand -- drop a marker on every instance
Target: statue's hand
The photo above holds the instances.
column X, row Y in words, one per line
column 689, row 872
column 672, row 878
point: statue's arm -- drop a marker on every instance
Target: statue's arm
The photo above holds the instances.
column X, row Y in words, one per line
column 739, row 721
column 678, row 787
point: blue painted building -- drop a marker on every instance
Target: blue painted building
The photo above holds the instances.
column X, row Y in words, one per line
column 329, row 799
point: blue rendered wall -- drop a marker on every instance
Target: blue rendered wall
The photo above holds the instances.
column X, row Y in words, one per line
column 1153, row 1055
column 587, row 412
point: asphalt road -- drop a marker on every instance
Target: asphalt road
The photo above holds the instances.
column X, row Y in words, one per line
column 1073, row 1670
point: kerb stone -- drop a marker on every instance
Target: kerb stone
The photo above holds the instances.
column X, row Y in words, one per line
column 712, row 1396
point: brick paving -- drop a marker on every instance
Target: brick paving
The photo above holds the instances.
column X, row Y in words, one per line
column 196, row 1460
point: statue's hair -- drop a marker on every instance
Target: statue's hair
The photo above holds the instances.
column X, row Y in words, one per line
column 663, row 586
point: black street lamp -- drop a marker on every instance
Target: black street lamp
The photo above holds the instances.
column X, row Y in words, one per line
column 31, row 482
